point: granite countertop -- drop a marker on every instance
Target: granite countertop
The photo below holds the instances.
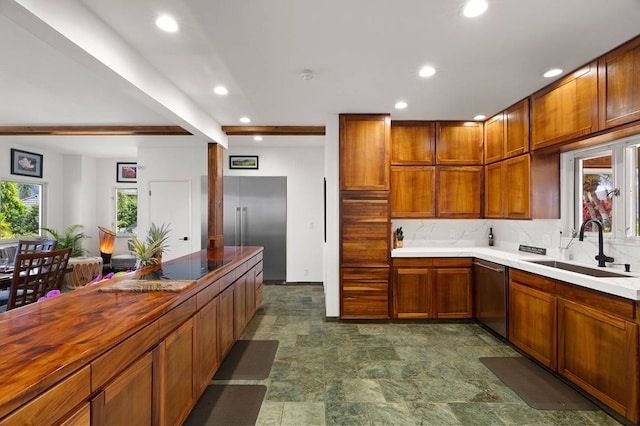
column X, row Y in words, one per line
column 627, row 287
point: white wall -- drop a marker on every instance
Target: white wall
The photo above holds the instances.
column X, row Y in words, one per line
column 332, row 246
column 304, row 169
column 166, row 163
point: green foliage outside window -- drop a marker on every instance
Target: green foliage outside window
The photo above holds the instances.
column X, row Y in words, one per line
column 126, row 210
column 17, row 219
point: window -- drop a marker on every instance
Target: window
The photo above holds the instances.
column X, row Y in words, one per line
column 126, row 210
column 21, row 207
column 604, row 186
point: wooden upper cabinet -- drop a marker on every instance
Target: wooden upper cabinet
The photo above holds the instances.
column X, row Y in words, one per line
column 365, row 146
column 493, row 191
column 412, row 142
column 494, row 132
column 507, row 134
column 516, row 128
column 566, row 109
column 517, row 188
column 619, row 85
column 412, row 191
column 459, row 191
column 459, row 143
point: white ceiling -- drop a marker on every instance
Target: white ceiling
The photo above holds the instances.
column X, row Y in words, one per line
column 365, row 56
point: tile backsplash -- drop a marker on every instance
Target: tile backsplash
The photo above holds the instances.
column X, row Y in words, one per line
column 508, row 234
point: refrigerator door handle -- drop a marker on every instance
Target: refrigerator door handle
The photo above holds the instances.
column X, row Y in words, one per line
column 238, row 226
column 243, row 226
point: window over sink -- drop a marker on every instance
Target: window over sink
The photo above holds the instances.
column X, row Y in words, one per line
column 603, row 183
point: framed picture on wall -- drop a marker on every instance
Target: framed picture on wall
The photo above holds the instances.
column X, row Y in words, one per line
column 25, row 163
column 243, row 162
column 127, row 172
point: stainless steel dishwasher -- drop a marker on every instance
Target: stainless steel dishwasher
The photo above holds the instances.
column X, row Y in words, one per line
column 491, row 295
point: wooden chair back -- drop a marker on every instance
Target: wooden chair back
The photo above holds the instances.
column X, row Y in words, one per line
column 34, row 246
column 36, row 274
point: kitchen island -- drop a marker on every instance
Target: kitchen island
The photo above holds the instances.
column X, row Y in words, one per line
column 102, row 357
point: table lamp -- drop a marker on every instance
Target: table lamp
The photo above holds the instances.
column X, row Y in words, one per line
column 107, row 237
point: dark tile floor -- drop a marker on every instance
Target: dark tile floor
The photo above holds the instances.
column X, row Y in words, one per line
column 343, row 373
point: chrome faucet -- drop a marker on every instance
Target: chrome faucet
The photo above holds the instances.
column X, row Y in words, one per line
column 601, row 257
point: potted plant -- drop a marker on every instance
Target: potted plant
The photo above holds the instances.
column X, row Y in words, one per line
column 71, row 237
column 149, row 252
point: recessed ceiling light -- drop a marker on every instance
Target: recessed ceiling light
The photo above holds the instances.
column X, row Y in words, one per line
column 245, row 120
column 479, row 117
column 167, row 23
column 257, row 138
column 401, row 105
column 474, row 8
column 220, row 90
column 552, row 73
column 427, row 71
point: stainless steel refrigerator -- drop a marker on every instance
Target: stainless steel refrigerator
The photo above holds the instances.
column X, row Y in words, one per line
column 255, row 214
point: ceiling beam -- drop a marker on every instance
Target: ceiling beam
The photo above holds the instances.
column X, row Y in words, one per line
column 274, row 130
column 91, row 130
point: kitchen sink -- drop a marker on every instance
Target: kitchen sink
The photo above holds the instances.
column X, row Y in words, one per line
column 593, row 272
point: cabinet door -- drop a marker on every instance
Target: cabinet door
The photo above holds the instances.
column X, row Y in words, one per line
column 173, row 376
column 365, row 146
column 517, row 178
column 206, row 345
column 459, row 143
column 619, row 85
column 494, row 132
column 126, row 400
column 516, row 138
column 250, row 295
column 599, row 352
column 453, row 293
column 412, row 293
column 225, row 326
column 566, row 109
column 412, row 142
column 459, row 192
column 412, row 191
column 239, row 306
column 493, row 191
column 533, row 322
column 82, row 417
column 364, row 293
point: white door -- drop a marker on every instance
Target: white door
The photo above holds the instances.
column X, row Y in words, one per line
column 170, row 203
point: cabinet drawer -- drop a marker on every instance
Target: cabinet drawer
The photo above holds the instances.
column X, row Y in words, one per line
column 453, row 262
column 365, row 253
column 120, row 357
column 172, row 319
column 533, row 281
column 207, row 294
column 54, row 404
column 365, row 300
column 371, row 275
column 370, row 209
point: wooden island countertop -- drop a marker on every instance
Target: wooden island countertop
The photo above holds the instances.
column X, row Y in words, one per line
column 45, row 342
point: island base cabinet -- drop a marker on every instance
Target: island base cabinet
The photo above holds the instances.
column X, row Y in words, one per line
column 127, row 400
column 173, row 376
column 532, row 322
column 599, row 353
column 206, row 348
column 225, row 328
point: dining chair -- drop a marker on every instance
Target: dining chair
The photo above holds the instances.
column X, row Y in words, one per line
column 35, row 275
column 34, row 246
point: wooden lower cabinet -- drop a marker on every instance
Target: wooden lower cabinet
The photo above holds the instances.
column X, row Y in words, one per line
column 599, row 352
column 126, row 400
column 173, row 376
column 432, row 288
column 533, row 322
column 226, row 317
column 364, row 293
column 453, row 293
column 239, row 307
column 81, row 417
column 206, row 349
column 413, row 293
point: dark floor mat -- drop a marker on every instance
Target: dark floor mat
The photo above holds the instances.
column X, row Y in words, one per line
column 248, row 360
column 536, row 386
column 228, row 405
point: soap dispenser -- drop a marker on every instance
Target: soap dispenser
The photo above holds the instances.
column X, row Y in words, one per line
column 490, row 237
